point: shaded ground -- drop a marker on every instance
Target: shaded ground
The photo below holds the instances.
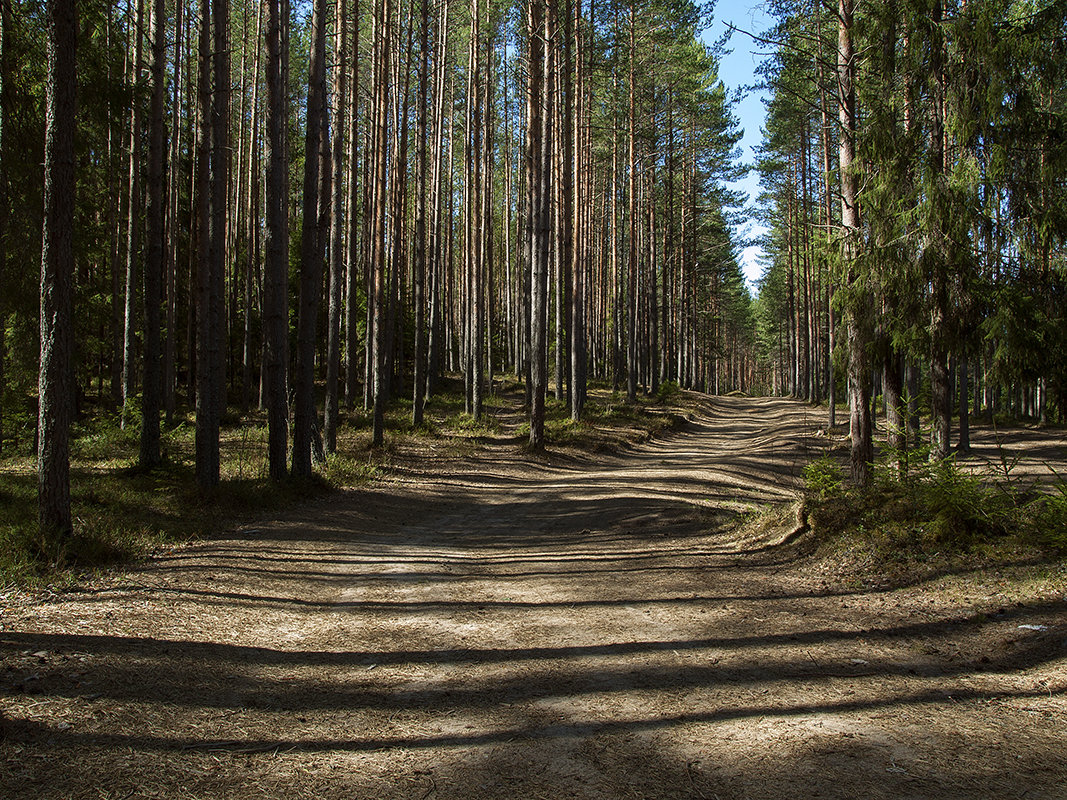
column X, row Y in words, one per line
column 503, row 627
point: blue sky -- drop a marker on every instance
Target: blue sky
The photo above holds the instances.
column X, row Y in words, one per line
column 738, row 69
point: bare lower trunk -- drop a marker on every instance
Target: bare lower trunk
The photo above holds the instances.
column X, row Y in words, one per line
column 56, row 378
column 276, row 267
column 153, row 275
column 316, row 205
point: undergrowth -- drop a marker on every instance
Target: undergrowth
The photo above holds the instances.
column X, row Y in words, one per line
column 934, row 513
column 122, row 513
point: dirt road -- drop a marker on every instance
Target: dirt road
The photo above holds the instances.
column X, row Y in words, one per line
column 501, row 628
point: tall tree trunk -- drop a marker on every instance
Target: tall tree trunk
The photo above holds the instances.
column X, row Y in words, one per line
column 380, row 193
column 433, row 365
column 355, row 222
column 419, row 356
column 252, row 226
column 862, row 451
column 632, row 309
column 539, row 159
column 579, row 241
column 940, row 382
column 5, row 32
column 153, row 275
column 56, row 379
column 170, row 348
column 337, row 224
column 133, row 220
column 316, row 204
column 213, row 205
column 276, row 270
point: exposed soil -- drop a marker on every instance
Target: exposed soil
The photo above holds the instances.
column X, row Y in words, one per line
column 504, row 626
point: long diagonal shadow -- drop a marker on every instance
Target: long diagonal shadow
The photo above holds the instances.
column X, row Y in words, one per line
column 63, row 739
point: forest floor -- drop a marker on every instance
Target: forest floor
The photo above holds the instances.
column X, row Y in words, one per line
column 494, row 625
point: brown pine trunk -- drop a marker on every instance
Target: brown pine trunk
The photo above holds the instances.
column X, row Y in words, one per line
column 377, row 362
column 170, row 348
column 940, row 381
column 892, row 380
column 5, row 28
column 153, row 275
column 213, row 206
column 862, row 452
column 539, row 159
column 133, row 222
column 579, row 242
column 251, row 227
column 316, row 209
column 831, row 314
column 435, row 278
column 632, row 307
column 276, row 268
column 419, row 356
column 56, row 380
column 337, row 225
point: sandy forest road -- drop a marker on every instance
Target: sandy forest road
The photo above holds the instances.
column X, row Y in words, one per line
column 506, row 630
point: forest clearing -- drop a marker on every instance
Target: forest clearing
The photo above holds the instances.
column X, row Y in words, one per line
column 499, row 625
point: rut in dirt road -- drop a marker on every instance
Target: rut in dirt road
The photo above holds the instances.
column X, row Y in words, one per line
column 524, row 631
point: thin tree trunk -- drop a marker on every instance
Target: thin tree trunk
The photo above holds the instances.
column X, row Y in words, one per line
column 962, row 378
column 133, row 221
column 355, row 222
column 892, row 378
column 213, row 204
column 5, row 32
column 170, row 350
column 539, row 135
column 631, row 349
column 579, row 233
column 378, row 360
column 433, row 365
column 252, row 227
column 940, row 383
column 862, row 452
column 276, row 270
column 56, row 379
column 153, row 275
column 337, row 224
column 316, row 203
column 420, row 277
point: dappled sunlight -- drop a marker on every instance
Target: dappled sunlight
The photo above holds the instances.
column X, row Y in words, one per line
column 591, row 628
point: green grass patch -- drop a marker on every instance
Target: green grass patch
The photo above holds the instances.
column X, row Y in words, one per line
column 122, row 512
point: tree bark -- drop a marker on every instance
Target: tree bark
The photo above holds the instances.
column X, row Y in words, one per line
column 862, row 451
column 940, row 383
column 56, row 377
column 355, row 223
column 337, row 224
column 316, row 205
column 213, row 187
column 539, row 99
column 632, row 309
column 154, row 262
column 276, row 269
column 5, row 31
column 133, row 221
